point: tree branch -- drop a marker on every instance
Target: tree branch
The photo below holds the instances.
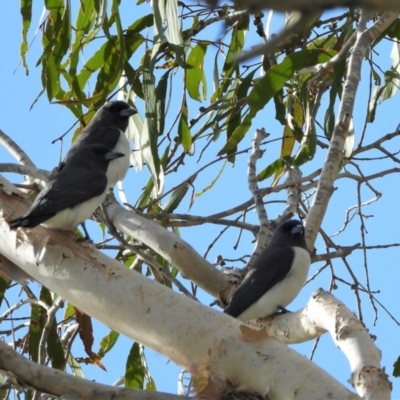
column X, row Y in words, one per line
column 301, row 5
column 15, row 150
column 334, row 156
column 30, row 170
column 225, row 351
column 175, row 250
column 26, row 373
column 324, row 313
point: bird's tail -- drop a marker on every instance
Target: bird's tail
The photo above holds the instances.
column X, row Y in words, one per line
column 17, row 222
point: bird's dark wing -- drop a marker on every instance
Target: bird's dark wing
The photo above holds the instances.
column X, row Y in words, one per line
column 271, row 267
column 98, row 133
column 68, row 188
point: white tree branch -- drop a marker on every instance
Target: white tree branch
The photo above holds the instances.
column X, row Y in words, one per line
column 26, row 373
column 9, row 270
column 324, row 313
column 226, row 352
column 30, row 170
column 265, row 233
column 15, row 150
column 301, row 5
column 178, row 253
column 335, row 152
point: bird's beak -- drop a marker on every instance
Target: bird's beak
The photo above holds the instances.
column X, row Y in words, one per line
column 297, row 229
column 112, row 155
column 128, row 112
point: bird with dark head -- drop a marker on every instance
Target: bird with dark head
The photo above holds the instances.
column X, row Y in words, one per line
column 276, row 277
column 108, row 128
column 74, row 193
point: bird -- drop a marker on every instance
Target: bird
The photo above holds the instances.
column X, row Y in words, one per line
column 276, row 277
column 108, row 128
column 73, row 193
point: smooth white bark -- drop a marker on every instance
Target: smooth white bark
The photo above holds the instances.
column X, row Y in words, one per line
column 178, row 252
column 324, row 313
column 206, row 342
column 21, row 371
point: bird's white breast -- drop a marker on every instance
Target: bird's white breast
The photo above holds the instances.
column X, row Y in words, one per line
column 284, row 292
column 119, row 167
column 70, row 218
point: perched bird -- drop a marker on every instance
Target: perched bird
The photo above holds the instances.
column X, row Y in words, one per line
column 277, row 276
column 73, row 193
column 108, row 128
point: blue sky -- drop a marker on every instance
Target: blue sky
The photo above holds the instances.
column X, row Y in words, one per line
column 34, row 129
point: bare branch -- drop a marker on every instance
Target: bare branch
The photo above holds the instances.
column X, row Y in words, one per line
column 185, row 220
column 265, row 232
column 15, row 150
column 26, row 170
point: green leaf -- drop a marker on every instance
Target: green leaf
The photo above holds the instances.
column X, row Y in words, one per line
column 161, row 94
column 194, row 76
column 396, row 368
column 54, row 349
column 35, row 330
column 329, row 120
column 26, row 12
column 185, row 136
column 174, row 29
column 69, row 311
column 140, row 24
column 75, row 366
column 245, row 84
column 112, row 69
column 134, row 372
column 107, row 343
column 280, row 109
column 308, row 146
column 391, row 86
column 3, row 287
column 272, row 169
column 216, row 73
column 178, row 195
column 92, row 65
column 213, row 182
column 270, row 84
column 85, row 18
column 236, row 45
column 373, row 103
column 159, row 38
column 288, row 142
column 133, row 77
column 51, row 78
column 394, row 30
column 150, row 131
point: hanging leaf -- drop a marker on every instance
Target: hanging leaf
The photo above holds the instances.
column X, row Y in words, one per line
column 107, row 343
column 194, row 76
column 26, row 12
column 272, row 82
column 185, row 137
column 134, row 371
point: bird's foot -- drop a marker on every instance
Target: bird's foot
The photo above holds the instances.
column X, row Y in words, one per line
column 86, row 238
